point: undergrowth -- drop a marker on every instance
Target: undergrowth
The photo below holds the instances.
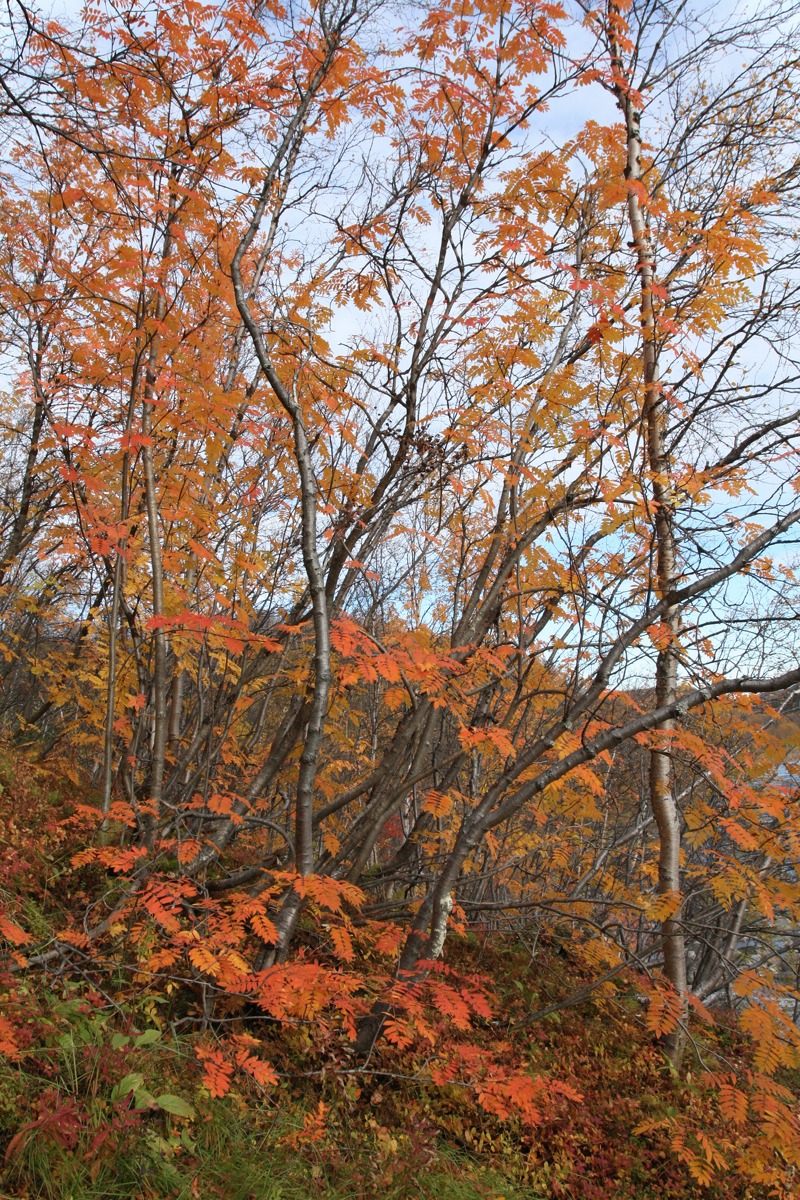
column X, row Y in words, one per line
column 102, row 1095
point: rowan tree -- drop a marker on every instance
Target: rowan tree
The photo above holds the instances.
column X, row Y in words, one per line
column 399, row 484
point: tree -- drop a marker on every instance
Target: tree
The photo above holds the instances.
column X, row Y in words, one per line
column 374, row 445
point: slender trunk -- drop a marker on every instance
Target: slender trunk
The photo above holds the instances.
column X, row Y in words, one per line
column 175, row 708
column 285, row 153
column 19, row 526
column 721, row 958
column 654, row 417
column 304, row 812
column 119, row 568
column 108, row 740
column 304, row 804
column 160, row 683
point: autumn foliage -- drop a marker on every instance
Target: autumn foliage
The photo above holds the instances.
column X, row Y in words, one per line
column 398, row 670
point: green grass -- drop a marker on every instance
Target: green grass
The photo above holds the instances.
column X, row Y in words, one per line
column 70, row 1133
column 232, row 1160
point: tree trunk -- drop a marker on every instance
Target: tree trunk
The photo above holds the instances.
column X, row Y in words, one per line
column 654, row 420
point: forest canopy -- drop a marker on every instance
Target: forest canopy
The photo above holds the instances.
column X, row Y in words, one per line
column 399, row 438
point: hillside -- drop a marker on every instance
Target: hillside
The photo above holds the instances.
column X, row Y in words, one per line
column 519, row 1076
